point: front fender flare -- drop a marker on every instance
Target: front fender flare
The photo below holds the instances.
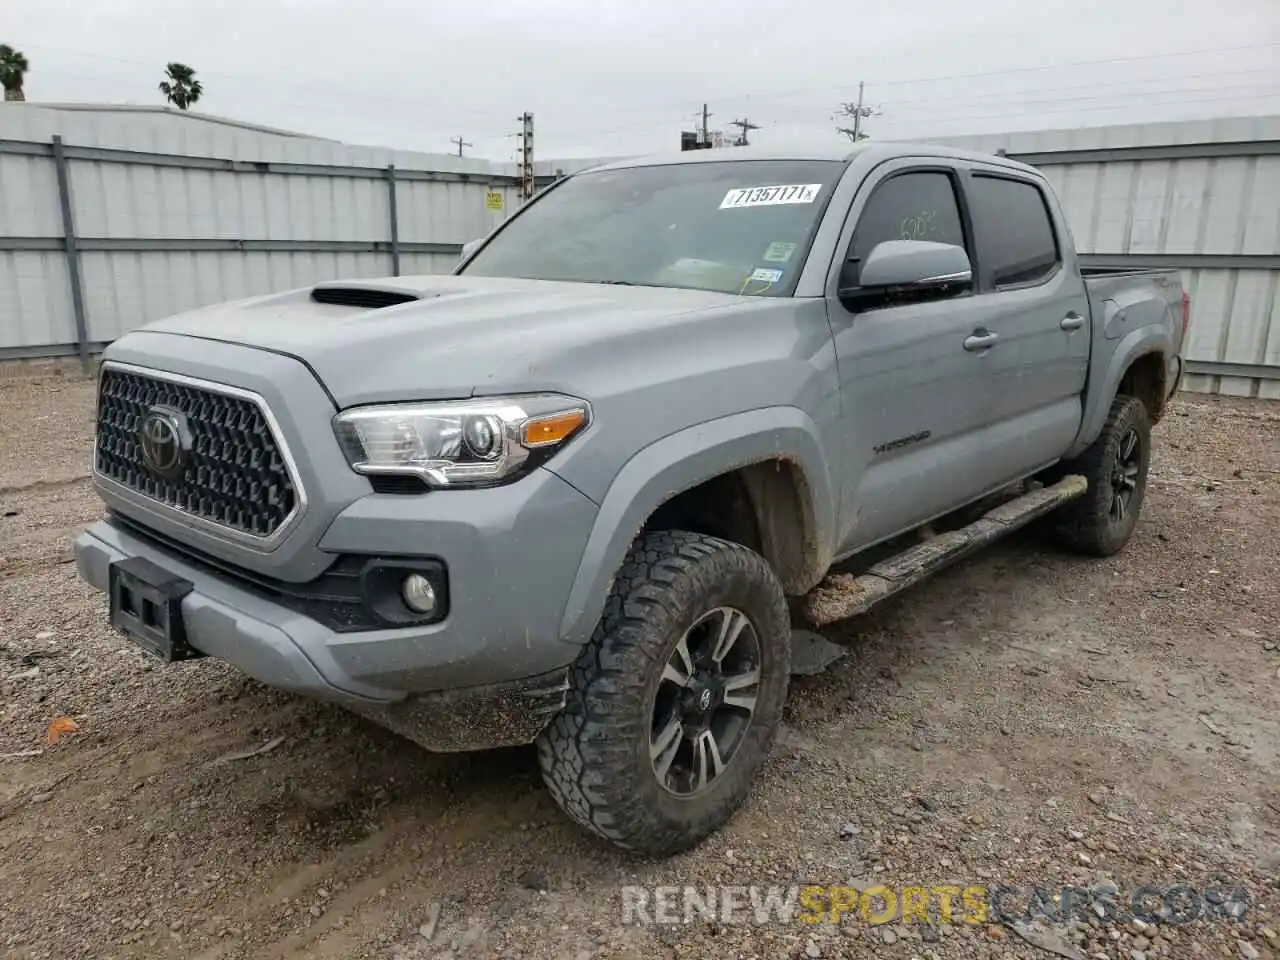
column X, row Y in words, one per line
column 676, row 463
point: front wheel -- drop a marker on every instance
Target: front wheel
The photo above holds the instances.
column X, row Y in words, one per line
column 1100, row 522
column 675, row 703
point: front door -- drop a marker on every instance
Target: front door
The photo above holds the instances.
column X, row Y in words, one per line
column 912, row 376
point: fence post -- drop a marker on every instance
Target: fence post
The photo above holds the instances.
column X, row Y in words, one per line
column 395, row 223
column 72, row 251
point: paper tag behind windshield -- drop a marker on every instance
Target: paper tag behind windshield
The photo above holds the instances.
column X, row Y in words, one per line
column 771, row 196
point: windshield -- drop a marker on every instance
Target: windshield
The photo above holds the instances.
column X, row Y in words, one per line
column 740, row 227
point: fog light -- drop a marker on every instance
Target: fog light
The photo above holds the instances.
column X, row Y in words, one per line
column 418, row 593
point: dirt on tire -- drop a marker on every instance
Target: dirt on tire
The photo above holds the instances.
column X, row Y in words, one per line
column 1025, row 718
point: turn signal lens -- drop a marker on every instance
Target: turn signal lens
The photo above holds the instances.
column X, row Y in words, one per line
column 556, row 428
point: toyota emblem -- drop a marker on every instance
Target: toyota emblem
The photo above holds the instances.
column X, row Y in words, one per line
column 164, row 440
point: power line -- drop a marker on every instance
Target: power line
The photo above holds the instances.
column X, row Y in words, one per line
column 1140, row 98
column 978, row 75
column 816, row 112
column 345, row 92
column 954, row 118
column 327, row 92
column 1003, row 95
column 1059, row 101
column 1016, row 70
column 1119, row 106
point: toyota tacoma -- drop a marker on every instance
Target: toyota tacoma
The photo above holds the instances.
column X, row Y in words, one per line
column 588, row 489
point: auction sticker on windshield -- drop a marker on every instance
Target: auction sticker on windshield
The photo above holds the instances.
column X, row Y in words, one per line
column 771, row 196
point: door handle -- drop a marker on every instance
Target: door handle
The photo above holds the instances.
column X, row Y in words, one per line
column 980, row 340
column 1072, row 321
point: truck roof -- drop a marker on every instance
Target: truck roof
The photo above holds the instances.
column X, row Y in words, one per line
column 801, row 150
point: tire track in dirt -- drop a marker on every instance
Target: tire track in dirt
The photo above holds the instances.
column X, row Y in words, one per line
column 397, row 884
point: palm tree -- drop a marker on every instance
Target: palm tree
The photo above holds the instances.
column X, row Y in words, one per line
column 182, row 89
column 13, row 67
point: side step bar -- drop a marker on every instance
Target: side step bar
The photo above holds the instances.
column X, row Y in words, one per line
column 843, row 595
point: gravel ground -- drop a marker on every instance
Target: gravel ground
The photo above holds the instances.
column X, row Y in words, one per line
column 1025, row 718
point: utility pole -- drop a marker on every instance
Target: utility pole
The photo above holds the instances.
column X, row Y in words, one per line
column 526, row 156
column 859, row 112
column 706, row 133
column 461, row 143
column 744, row 125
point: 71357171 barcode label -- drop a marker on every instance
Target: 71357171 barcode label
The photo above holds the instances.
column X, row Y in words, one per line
column 771, row 196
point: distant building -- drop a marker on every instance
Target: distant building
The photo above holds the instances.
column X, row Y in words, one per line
column 692, row 140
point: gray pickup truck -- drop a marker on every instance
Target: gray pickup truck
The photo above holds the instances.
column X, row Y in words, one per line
column 589, row 489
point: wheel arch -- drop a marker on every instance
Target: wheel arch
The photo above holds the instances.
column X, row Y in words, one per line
column 759, row 478
column 1140, row 361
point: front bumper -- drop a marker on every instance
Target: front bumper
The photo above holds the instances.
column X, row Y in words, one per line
column 511, row 558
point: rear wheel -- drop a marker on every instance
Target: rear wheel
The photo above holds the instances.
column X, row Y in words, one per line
column 675, row 702
column 1101, row 522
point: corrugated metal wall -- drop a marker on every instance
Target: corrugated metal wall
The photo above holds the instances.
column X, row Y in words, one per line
column 1202, row 196
column 156, row 234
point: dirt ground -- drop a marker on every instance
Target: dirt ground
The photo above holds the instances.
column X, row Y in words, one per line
column 1026, row 718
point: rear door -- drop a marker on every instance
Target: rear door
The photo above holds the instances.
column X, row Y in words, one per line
column 913, row 397
column 1033, row 299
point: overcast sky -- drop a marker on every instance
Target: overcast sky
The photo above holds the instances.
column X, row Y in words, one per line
column 610, row 78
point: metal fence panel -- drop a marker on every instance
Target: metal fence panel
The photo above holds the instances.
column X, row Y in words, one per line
column 170, row 211
column 128, row 288
column 28, row 197
column 167, row 211
column 35, row 298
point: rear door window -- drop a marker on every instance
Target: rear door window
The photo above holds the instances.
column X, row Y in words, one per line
column 1016, row 241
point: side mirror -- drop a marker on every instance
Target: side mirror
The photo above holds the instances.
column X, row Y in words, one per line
column 912, row 269
column 470, row 247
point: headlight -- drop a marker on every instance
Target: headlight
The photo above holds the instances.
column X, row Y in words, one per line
column 459, row 443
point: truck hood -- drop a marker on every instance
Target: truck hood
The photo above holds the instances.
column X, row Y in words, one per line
column 454, row 336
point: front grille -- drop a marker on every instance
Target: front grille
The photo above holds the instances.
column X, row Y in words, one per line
column 234, row 474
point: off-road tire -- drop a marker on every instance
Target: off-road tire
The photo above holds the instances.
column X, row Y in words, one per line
column 595, row 754
column 1086, row 525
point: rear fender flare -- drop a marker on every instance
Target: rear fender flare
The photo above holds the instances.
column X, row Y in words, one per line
column 1102, row 389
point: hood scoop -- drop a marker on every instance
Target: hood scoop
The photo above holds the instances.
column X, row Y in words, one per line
column 366, row 298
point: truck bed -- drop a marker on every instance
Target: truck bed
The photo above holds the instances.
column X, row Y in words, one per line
column 1125, row 299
